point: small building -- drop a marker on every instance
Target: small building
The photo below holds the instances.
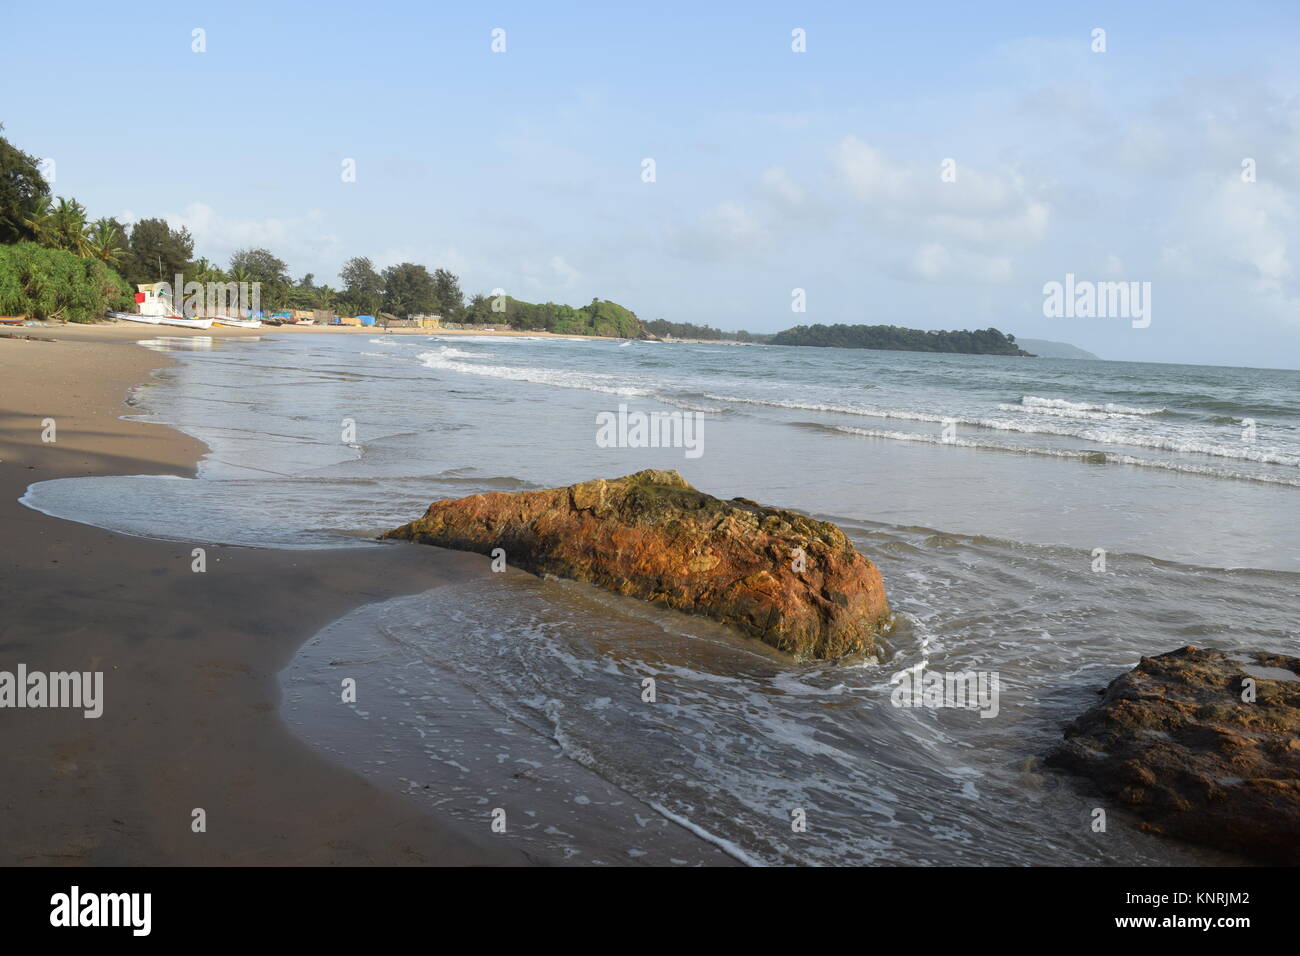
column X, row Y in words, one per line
column 155, row 298
column 366, row 319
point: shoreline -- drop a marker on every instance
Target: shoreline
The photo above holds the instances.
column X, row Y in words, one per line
column 97, row 331
column 191, row 695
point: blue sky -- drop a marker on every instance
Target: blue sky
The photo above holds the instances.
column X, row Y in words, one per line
column 775, row 170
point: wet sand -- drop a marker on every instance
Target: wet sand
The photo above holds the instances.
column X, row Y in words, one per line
column 190, row 660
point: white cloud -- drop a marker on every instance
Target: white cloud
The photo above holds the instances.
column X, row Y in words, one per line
column 977, row 208
column 936, row 263
column 779, row 187
column 728, row 230
column 300, row 241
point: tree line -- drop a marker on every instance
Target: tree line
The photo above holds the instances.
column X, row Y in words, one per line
column 689, row 330
column 56, row 262
column 893, row 338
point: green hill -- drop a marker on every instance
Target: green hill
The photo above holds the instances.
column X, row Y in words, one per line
column 894, row 338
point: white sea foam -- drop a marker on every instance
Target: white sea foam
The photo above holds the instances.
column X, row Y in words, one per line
column 726, row 846
column 1058, row 412
column 445, row 357
column 1077, row 454
column 830, row 407
column 1159, row 441
column 452, row 352
column 1035, row 401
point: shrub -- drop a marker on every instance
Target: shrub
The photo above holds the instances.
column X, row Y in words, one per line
column 52, row 284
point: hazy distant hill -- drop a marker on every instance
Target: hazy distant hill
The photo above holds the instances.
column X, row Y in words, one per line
column 1046, row 349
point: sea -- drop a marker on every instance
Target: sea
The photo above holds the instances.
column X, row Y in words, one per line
column 1048, row 522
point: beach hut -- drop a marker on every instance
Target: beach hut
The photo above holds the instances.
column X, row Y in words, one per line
column 155, row 298
column 366, row 319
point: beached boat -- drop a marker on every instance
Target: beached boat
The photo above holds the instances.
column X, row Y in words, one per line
column 177, row 320
column 185, row 323
column 237, row 323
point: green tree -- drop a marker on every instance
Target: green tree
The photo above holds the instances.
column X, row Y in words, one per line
column 156, row 252
column 259, row 265
column 38, row 220
column 362, row 287
column 21, row 185
column 409, row 289
column 105, row 241
column 68, row 227
column 448, row 300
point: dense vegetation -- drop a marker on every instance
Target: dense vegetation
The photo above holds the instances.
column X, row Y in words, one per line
column 55, row 262
column 78, row 269
column 689, row 330
column 599, row 317
column 45, row 283
column 893, row 338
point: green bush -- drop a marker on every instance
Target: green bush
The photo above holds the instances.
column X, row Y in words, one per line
column 46, row 283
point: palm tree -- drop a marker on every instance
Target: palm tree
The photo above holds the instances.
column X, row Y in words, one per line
column 324, row 297
column 104, row 241
column 69, row 227
column 40, row 219
column 205, row 272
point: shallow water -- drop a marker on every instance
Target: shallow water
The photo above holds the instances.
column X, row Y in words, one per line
column 527, row 694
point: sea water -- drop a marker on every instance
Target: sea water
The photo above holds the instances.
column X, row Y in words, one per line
column 1049, row 521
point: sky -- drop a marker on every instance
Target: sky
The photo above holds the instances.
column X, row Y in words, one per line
column 774, row 170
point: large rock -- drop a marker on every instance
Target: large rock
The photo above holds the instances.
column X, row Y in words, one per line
column 652, row 536
column 1174, row 741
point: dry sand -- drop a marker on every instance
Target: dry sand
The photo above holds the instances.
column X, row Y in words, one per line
column 189, row 660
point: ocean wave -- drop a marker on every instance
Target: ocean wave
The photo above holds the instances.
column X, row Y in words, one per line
column 452, row 352
column 1184, row 444
column 1057, row 412
column 829, row 407
column 1033, row 401
column 1084, row 455
column 557, row 378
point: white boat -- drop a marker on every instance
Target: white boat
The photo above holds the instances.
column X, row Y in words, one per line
column 185, row 323
column 177, row 320
column 237, row 323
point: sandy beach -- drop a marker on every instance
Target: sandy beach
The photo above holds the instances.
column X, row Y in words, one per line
column 189, row 660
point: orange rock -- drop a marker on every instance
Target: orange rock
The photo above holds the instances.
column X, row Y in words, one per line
column 652, row 536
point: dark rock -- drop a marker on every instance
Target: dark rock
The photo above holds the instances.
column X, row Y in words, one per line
column 1174, row 741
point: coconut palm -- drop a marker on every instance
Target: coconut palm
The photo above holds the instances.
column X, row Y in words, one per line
column 104, row 241
column 69, row 227
column 205, row 271
column 324, row 297
column 40, row 219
